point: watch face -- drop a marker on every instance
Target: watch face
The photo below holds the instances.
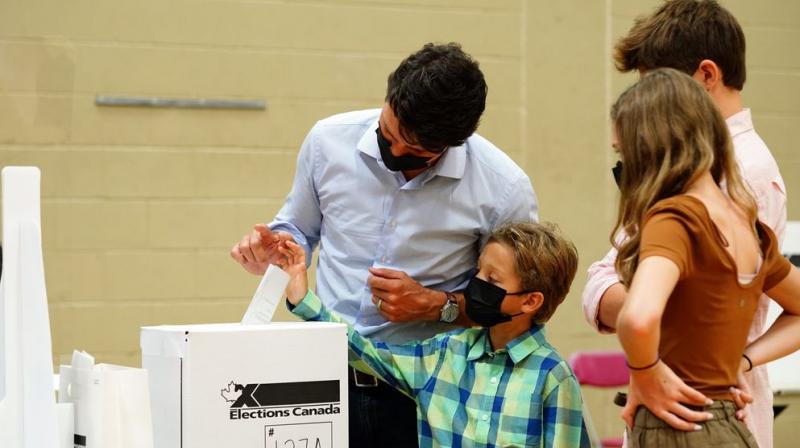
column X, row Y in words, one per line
column 449, row 312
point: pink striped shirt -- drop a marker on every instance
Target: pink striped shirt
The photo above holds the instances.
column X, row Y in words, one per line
column 761, row 173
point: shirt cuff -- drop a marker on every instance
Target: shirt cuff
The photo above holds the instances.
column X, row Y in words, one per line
column 309, row 308
column 596, row 287
column 607, row 283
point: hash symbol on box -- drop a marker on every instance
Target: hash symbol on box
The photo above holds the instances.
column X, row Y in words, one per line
column 299, row 435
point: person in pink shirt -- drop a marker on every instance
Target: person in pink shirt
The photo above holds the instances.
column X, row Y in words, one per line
column 704, row 40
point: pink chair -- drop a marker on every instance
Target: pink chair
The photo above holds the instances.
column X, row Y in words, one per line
column 600, row 369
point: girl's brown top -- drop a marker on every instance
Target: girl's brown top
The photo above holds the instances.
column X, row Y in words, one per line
column 707, row 318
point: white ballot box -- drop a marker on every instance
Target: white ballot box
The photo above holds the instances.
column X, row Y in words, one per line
column 278, row 385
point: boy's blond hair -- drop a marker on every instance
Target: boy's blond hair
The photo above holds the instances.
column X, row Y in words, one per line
column 545, row 261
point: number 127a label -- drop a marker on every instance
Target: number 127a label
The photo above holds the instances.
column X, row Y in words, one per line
column 299, row 435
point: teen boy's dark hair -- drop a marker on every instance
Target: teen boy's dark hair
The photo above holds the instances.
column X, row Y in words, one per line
column 679, row 35
column 544, row 260
column 438, row 95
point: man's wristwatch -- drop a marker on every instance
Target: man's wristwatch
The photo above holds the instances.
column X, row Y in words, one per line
column 449, row 312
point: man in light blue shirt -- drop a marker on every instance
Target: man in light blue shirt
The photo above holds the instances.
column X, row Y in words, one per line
column 400, row 200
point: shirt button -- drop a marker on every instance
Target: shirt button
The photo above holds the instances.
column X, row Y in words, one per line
column 493, row 380
column 384, row 259
column 485, row 418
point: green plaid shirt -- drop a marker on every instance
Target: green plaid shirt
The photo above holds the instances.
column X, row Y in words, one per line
column 471, row 396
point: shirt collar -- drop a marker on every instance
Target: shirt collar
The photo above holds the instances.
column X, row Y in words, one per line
column 518, row 349
column 368, row 144
column 740, row 122
column 452, row 163
column 481, row 346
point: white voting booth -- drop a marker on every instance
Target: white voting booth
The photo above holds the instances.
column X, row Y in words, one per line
column 109, row 402
column 784, row 374
column 28, row 412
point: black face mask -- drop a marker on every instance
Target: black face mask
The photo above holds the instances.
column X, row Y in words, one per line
column 402, row 163
column 617, row 172
column 483, row 303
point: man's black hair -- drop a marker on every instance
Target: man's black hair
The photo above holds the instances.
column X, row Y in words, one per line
column 438, row 95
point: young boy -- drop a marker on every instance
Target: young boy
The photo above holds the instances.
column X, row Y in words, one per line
column 499, row 385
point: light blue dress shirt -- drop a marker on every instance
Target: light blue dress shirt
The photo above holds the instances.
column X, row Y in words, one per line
column 361, row 215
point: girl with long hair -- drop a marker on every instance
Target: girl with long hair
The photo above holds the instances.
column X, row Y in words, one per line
column 695, row 262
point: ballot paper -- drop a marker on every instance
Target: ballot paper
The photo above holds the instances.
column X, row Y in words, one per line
column 269, row 294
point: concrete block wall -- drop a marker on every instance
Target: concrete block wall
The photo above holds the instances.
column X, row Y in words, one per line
column 141, row 205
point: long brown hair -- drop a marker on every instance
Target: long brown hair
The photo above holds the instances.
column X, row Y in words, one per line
column 669, row 133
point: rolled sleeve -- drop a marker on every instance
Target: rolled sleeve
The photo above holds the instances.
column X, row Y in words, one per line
column 601, row 275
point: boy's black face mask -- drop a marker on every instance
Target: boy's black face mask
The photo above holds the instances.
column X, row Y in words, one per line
column 617, row 172
column 402, row 163
column 483, row 301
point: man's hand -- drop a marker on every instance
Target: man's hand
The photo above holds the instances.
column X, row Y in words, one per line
column 662, row 392
column 259, row 249
column 401, row 299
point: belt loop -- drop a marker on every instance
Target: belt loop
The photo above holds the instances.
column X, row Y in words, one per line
column 371, row 380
